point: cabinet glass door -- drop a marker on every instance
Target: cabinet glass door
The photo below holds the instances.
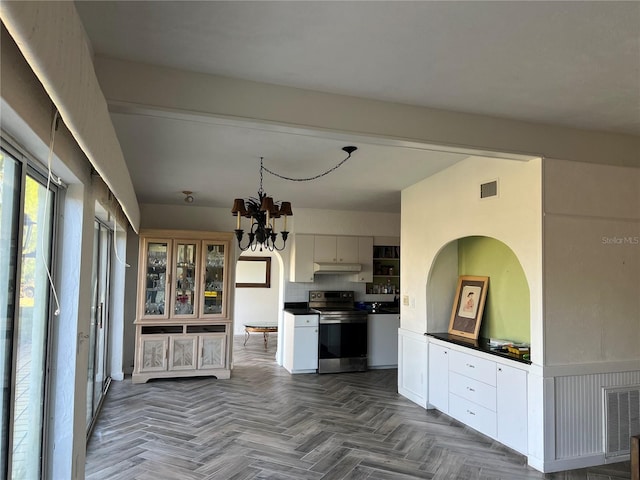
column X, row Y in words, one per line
column 156, row 281
column 213, row 295
column 185, row 279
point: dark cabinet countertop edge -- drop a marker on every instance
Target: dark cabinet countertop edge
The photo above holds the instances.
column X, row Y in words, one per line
column 482, row 345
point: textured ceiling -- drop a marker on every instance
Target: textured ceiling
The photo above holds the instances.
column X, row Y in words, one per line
column 573, row 64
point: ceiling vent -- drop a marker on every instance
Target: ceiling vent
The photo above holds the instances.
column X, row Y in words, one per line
column 489, row 189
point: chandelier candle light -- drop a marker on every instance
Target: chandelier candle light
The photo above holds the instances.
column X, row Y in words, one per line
column 263, row 212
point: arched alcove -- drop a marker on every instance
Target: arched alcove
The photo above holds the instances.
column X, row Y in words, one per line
column 507, row 311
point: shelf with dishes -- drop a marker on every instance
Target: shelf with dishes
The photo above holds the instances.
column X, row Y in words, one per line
column 386, row 270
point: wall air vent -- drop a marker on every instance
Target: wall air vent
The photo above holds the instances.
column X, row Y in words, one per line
column 489, row 189
column 621, row 419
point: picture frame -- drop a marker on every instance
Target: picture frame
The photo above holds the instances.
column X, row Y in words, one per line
column 468, row 306
column 253, row 272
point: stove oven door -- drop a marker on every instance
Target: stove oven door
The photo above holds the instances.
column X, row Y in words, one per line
column 342, row 343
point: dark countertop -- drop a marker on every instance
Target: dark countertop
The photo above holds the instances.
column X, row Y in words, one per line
column 298, row 308
column 302, row 308
column 482, row 345
column 300, row 311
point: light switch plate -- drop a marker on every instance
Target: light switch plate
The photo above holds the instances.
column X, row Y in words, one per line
column 405, row 300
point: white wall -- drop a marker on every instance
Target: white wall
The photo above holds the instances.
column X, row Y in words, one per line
column 259, row 304
column 592, row 263
column 446, row 206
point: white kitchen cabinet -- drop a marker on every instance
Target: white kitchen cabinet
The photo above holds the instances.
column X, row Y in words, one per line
column 335, row 249
column 302, row 258
column 382, row 340
column 439, row 377
column 300, row 343
column 307, row 249
column 512, row 405
column 486, row 394
column 365, row 259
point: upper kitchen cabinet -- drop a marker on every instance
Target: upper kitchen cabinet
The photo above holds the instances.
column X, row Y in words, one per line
column 365, row 254
column 301, row 268
column 308, row 249
column 335, row 249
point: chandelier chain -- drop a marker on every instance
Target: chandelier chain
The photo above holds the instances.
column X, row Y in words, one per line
column 300, row 179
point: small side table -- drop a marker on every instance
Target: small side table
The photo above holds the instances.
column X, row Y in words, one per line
column 257, row 327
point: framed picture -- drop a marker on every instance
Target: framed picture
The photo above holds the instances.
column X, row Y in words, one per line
column 253, row 272
column 468, row 306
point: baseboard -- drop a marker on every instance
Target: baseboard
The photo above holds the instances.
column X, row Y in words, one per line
column 417, row 399
column 118, row 377
column 577, row 462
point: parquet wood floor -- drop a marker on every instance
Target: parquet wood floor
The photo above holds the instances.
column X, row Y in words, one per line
column 266, row 424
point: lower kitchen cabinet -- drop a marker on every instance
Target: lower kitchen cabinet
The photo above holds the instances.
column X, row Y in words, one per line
column 382, row 340
column 488, row 395
column 183, row 350
column 300, row 343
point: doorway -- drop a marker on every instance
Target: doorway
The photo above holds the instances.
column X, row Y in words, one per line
column 258, row 302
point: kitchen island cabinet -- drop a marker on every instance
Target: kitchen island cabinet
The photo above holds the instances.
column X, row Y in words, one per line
column 382, row 341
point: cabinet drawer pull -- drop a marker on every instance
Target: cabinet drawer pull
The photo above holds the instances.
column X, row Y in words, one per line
column 470, row 389
column 471, row 413
column 470, row 365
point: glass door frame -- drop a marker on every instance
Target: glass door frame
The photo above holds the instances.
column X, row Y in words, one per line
column 33, row 169
column 101, row 321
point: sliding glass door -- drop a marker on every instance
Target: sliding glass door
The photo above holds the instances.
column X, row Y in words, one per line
column 98, row 374
column 26, row 254
column 10, row 178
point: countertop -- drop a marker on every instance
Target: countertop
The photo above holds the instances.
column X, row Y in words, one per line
column 482, row 344
column 302, row 308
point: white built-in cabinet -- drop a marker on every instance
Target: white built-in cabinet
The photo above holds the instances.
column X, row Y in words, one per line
column 300, row 349
column 365, row 258
column 308, row 248
column 302, row 258
column 511, row 395
column 439, row 377
column 488, row 395
column 182, row 323
column 335, row 249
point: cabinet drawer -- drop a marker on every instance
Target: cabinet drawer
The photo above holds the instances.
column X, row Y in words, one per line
column 473, row 390
column 472, row 414
column 306, row 321
column 473, row 367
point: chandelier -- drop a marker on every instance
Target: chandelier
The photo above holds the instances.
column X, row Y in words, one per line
column 262, row 212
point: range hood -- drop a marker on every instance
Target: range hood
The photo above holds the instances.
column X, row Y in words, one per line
column 324, row 267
